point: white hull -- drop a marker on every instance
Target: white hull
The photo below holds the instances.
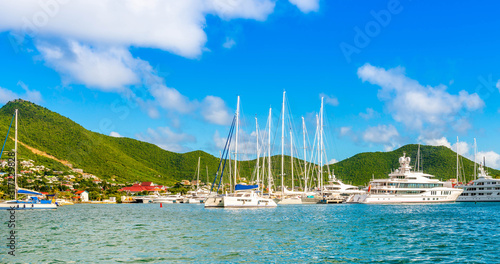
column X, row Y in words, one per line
column 426, row 197
column 26, row 206
column 290, row 201
column 214, row 202
column 493, row 198
column 195, row 200
column 253, row 201
column 247, row 202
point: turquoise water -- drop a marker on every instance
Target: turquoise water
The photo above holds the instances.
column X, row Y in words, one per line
column 146, row 233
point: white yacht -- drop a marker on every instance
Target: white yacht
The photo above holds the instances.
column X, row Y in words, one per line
column 337, row 188
column 406, row 186
column 177, row 198
column 484, row 189
column 245, row 196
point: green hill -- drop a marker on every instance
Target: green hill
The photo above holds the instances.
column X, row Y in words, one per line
column 129, row 160
column 438, row 161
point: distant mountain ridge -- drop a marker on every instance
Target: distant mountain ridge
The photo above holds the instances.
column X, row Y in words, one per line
column 129, row 160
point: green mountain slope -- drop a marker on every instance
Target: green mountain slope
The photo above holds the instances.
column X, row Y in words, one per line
column 129, row 160
column 438, row 161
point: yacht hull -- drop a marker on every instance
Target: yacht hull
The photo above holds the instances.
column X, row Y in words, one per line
column 426, row 197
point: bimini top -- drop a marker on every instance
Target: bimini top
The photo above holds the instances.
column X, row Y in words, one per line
column 242, row 187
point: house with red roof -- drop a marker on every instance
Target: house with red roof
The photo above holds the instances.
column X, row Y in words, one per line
column 144, row 186
column 82, row 196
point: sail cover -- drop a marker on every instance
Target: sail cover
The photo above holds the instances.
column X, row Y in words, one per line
column 241, row 187
column 26, row 191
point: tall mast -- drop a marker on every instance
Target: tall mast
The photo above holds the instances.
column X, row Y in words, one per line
column 321, row 144
column 198, row 177
column 283, row 146
column 15, row 161
column 236, row 146
column 457, row 160
column 475, row 160
column 317, row 149
column 258, row 153
column 269, row 156
column 291, row 156
column 305, row 155
column 207, row 172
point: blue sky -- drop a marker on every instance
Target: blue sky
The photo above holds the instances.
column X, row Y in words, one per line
column 169, row 72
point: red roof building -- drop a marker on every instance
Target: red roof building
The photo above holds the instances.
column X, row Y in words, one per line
column 145, row 186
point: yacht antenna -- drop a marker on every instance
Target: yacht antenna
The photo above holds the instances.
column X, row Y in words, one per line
column 475, row 160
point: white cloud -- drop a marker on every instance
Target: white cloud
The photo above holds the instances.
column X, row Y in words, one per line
column 215, row 111
column 109, row 69
column 89, row 45
column 7, row 95
column 229, row 43
column 344, row 131
column 167, row 139
column 419, row 107
column 115, row 134
column 174, row 26
column 306, row 6
column 370, row 113
column 386, row 135
column 331, row 100
column 438, row 142
column 332, row 161
column 498, row 85
column 492, row 158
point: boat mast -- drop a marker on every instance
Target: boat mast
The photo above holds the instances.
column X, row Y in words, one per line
column 198, row 177
column 258, row 153
column 283, row 146
column 269, row 177
column 236, row 144
column 291, row 156
column 15, row 160
column 317, row 149
column 321, row 144
column 457, row 160
column 305, row 158
column 207, row 172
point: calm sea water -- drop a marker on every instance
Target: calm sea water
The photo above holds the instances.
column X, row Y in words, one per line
column 146, row 233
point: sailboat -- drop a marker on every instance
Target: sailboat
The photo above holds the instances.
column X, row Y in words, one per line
column 287, row 197
column 244, row 196
column 199, row 195
column 33, row 201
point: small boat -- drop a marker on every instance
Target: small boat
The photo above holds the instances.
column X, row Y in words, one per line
column 32, row 201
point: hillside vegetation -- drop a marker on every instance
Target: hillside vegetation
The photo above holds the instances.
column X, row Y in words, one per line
column 130, row 160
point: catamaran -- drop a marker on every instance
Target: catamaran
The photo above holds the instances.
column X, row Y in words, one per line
column 32, row 201
column 407, row 186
